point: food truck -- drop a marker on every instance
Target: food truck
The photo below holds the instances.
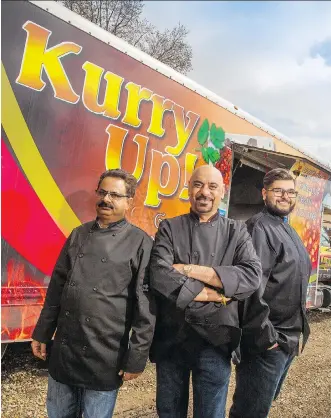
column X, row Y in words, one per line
column 76, row 101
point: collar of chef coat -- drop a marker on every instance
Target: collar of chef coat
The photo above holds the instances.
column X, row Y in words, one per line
column 195, row 216
column 119, row 224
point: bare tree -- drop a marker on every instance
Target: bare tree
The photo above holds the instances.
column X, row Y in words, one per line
column 123, row 19
column 170, row 47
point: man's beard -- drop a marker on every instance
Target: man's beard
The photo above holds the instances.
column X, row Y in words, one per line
column 274, row 209
column 208, row 207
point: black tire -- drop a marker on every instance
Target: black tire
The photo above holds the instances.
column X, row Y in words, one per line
column 326, row 298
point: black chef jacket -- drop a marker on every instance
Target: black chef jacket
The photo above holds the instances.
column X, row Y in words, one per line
column 223, row 244
column 99, row 292
column 276, row 312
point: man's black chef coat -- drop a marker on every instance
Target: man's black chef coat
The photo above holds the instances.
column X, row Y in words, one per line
column 276, row 312
column 96, row 295
column 223, row 244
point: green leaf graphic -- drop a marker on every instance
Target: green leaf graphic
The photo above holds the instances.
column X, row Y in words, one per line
column 213, row 131
column 203, row 132
column 205, row 154
column 217, row 136
column 213, row 154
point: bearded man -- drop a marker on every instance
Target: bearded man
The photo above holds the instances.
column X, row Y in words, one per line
column 274, row 317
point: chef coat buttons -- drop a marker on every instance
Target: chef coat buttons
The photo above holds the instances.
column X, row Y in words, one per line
column 104, row 259
column 80, row 255
column 87, row 319
column 213, row 254
column 95, row 289
column 84, row 348
column 196, row 224
column 195, row 253
column 72, row 283
column 67, row 313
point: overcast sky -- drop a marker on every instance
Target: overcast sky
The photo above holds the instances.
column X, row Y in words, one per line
column 272, row 59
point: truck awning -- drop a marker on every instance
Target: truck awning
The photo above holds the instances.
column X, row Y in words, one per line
column 267, row 159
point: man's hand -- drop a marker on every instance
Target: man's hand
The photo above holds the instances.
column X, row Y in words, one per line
column 204, row 274
column 273, row 346
column 39, row 349
column 128, row 376
column 178, row 267
column 210, row 295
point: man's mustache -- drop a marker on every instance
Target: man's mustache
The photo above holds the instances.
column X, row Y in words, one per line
column 103, row 204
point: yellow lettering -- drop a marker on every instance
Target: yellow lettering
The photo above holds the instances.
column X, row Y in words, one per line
column 183, row 132
column 38, row 58
column 93, row 74
column 163, row 178
column 142, row 142
column 116, row 140
column 135, row 95
column 160, row 106
column 190, row 160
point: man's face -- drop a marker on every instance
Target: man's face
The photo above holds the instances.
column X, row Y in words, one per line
column 206, row 190
column 280, row 205
column 112, row 208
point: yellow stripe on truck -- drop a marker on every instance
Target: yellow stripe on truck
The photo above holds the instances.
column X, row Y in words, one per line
column 32, row 162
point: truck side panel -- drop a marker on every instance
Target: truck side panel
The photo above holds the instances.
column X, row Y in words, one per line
column 73, row 106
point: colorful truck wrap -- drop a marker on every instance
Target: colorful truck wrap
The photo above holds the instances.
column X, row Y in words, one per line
column 77, row 101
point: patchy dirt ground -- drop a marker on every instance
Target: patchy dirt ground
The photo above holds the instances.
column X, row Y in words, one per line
column 306, row 393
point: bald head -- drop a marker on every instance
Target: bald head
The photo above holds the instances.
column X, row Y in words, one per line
column 206, row 190
column 208, row 171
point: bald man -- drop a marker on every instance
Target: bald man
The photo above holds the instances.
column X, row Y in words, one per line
column 201, row 265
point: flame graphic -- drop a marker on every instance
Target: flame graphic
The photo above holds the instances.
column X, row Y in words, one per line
column 25, row 296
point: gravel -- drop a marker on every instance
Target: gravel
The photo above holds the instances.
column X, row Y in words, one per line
column 306, row 393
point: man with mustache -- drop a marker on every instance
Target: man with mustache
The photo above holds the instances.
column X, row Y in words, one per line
column 274, row 317
column 201, row 265
column 99, row 305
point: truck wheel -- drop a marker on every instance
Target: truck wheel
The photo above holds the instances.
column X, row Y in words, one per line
column 326, row 298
